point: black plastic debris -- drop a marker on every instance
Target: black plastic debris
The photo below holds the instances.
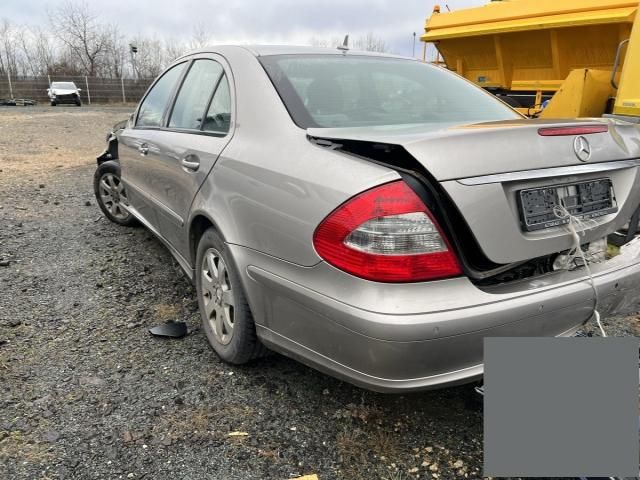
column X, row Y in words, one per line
column 17, row 102
column 170, row 329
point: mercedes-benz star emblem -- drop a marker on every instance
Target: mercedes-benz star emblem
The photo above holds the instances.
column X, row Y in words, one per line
column 582, row 148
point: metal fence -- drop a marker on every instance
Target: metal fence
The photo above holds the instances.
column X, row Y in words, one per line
column 94, row 89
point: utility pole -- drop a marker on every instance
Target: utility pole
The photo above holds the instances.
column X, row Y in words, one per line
column 86, row 82
column 10, row 86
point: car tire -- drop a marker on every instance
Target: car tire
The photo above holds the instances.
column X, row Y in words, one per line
column 79, row 103
column 53, row 104
column 226, row 317
column 111, row 195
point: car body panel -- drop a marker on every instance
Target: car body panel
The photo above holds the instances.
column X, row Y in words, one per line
column 457, row 151
column 266, row 187
column 516, row 244
column 281, row 204
column 135, row 171
column 63, row 95
column 427, row 310
column 269, row 189
column 456, row 155
column 427, row 344
column 63, row 91
column 169, row 186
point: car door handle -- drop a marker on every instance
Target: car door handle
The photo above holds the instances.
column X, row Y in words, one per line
column 143, row 149
column 190, row 163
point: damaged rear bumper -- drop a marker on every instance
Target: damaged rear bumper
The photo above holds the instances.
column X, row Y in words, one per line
column 398, row 338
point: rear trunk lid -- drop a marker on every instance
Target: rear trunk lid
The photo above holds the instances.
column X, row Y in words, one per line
column 484, row 169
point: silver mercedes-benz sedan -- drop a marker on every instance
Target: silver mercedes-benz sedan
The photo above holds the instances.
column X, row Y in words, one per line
column 372, row 216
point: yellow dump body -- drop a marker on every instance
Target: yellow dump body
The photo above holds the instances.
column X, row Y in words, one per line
column 534, row 45
column 628, row 96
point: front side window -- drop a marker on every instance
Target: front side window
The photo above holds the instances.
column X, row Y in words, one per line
column 358, row 91
column 218, row 118
column 154, row 104
column 194, row 94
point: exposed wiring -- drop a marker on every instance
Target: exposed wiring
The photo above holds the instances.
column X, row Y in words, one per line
column 577, row 227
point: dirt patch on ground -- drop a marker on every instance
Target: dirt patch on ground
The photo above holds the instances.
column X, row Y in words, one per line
column 37, row 141
column 88, row 393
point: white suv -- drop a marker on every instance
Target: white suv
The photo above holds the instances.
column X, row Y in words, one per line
column 64, row 92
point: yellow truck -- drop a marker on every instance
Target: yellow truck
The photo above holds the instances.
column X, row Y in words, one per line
column 547, row 58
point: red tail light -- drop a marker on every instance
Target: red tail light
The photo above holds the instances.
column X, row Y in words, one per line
column 386, row 234
column 576, row 130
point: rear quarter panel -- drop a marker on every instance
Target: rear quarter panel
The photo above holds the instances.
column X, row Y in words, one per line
column 271, row 187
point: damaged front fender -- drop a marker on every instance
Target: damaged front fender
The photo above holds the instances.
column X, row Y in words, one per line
column 111, row 151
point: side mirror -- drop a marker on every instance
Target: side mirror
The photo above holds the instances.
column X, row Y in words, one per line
column 79, row 89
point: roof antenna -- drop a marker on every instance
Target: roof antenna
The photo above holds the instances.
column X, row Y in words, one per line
column 345, row 44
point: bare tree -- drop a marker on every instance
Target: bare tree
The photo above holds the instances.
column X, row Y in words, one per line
column 8, row 51
column 200, row 36
column 115, row 55
column 84, row 36
column 45, row 49
column 23, row 42
column 172, row 50
column 35, row 50
column 332, row 42
column 370, row 43
column 77, row 42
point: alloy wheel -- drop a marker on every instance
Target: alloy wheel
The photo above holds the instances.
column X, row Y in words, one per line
column 218, row 298
column 114, row 196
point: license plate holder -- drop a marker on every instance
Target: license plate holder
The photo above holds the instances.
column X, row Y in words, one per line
column 584, row 200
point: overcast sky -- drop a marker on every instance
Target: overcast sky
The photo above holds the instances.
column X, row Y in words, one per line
column 254, row 21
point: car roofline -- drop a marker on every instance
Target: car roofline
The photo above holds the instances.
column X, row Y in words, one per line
column 273, row 50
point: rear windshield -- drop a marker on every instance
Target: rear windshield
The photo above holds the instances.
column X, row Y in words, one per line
column 66, row 85
column 357, row 91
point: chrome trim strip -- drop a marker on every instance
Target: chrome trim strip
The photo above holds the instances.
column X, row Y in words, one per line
column 549, row 172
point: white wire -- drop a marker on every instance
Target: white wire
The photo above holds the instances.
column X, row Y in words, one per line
column 576, row 251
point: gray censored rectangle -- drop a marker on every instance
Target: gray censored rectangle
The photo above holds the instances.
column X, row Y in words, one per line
column 561, row 407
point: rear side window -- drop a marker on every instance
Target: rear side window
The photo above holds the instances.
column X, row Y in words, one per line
column 154, row 104
column 358, row 91
column 218, row 117
column 194, row 95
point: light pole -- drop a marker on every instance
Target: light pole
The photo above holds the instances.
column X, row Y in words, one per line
column 134, row 50
column 414, row 45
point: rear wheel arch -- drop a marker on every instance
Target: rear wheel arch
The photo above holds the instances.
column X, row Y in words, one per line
column 241, row 343
column 199, row 224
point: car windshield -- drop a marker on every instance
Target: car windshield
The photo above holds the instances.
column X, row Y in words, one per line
column 65, row 85
column 357, row 91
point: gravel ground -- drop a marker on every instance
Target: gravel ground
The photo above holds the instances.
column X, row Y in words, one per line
column 87, row 392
